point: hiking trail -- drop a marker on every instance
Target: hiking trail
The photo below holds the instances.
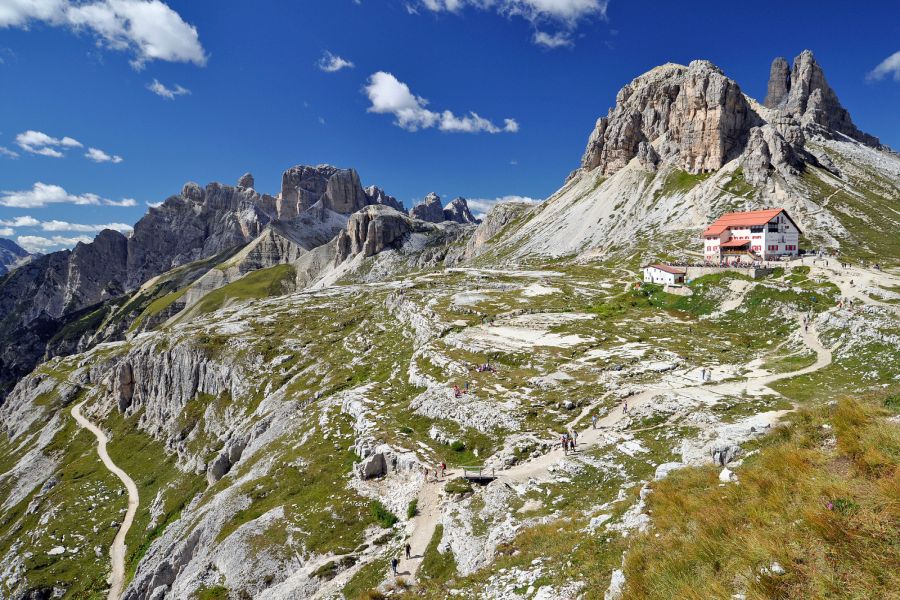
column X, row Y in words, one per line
column 117, row 550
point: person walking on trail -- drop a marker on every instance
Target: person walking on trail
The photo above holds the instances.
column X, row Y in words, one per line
column 408, row 551
column 425, row 473
column 594, row 422
column 443, row 469
column 574, row 438
column 703, row 374
column 394, row 563
column 565, row 443
column 625, row 408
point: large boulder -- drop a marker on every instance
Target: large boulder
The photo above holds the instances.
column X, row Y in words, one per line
column 372, row 466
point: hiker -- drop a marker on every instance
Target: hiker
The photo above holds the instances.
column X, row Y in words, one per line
column 594, row 422
column 625, row 408
column 703, row 374
column 425, row 473
column 574, row 438
column 443, row 469
column 467, row 387
column 565, row 444
column 394, row 563
column 456, row 391
column 408, row 551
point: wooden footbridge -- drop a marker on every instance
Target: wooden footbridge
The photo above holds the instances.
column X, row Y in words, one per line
column 479, row 475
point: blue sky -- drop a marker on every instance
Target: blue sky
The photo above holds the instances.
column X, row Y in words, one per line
column 250, row 87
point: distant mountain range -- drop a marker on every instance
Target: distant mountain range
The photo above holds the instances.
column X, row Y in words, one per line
column 13, row 256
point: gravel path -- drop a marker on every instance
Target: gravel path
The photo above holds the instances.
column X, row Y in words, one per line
column 117, row 550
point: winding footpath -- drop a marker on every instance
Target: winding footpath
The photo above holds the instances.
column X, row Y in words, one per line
column 117, row 550
column 423, row 526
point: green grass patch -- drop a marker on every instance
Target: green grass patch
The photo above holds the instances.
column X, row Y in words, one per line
column 382, row 515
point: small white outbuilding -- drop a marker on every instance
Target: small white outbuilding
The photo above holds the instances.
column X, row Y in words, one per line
column 664, row 274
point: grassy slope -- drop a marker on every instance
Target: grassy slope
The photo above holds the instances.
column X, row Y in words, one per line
column 828, row 513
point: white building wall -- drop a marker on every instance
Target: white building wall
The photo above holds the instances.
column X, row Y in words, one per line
column 654, row 275
column 783, row 242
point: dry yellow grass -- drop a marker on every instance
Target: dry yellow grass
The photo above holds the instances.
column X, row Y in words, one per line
column 822, row 502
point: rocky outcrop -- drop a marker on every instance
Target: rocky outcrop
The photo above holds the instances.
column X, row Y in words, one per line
column 695, row 115
column 376, row 195
column 779, row 83
column 371, row 231
column 429, row 209
column 246, row 181
column 303, row 186
column 768, row 152
column 458, row 212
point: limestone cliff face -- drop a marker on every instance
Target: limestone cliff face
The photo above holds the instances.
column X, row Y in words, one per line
column 198, row 223
column 779, row 83
column 695, row 115
column 371, row 231
column 303, row 186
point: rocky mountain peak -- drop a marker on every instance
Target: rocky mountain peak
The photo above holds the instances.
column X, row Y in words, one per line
column 458, row 212
column 698, row 119
column 193, row 192
column 12, row 255
column 694, row 114
column 807, row 97
column 430, row 209
column 246, row 181
column 779, row 83
column 376, row 195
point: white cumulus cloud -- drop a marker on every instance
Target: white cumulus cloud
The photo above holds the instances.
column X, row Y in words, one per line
column 25, row 221
column 389, row 95
column 148, row 29
column 37, row 243
column 99, row 156
column 6, row 231
column 4, row 151
column 889, row 67
column 82, row 227
column 331, row 63
column 42, row 194
column 166, row 92
column 481, row 206
column 38, row 142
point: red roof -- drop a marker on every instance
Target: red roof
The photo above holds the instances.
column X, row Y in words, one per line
column 735, row 243
column 744, row 219
column 668, row 269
